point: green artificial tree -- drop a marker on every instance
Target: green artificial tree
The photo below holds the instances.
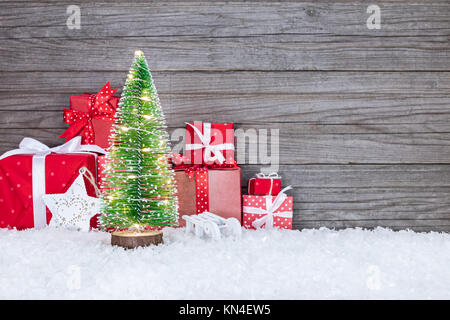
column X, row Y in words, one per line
column 139, row 182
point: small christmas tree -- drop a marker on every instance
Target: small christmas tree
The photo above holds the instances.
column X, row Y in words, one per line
column 139, row 185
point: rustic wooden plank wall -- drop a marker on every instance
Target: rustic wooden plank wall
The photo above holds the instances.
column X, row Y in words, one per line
column 363, row 115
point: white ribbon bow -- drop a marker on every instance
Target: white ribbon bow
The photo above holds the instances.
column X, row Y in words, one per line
column 37, row 148
column 272, row 175
column 39, row 152
column 205, row 138
column 267, row 219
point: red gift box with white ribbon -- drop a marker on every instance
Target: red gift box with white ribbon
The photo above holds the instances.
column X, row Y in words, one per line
column 209, row 143
column 267, row 211
column 264, row 184
column 33, row 170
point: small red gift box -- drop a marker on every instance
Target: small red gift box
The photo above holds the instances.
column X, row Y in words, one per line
column 267, row 211
column 264, row 184
column 210, row 143
column 26, row 174
column 91, row 116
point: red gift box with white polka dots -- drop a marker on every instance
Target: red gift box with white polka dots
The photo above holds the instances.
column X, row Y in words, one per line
column 16, row 192
column 102, row 163
column 264, row 186
column 92, row 119
column 282, row 216
column 217, row 134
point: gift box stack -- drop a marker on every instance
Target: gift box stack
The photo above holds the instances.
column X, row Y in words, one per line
column 266, row 205
column 207, row 176
column 34, row 170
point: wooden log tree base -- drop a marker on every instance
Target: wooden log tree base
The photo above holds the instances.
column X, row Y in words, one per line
column 133, row 239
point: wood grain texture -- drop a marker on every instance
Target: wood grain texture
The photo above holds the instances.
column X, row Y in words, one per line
column 133, row 240
column 221, row 19
column 363, row 115
column 337, row 98
column 263, row 53
column 241, row 82
column 300, row 144
column 440, row 225
column 227, row 36
column 395, row 196
column 399, row 111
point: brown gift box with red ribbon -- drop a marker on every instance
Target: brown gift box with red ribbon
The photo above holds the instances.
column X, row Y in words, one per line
column 91, row 116
column 209, row 189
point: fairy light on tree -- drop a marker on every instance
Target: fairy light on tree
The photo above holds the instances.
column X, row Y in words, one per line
column 139, row 185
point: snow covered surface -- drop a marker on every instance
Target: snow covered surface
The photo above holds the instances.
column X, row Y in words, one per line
column 279, row 264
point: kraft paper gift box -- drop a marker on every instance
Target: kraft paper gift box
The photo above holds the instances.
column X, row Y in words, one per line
column 214, row 190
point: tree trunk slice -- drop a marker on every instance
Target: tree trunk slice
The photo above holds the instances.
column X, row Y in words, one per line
column 133, row 239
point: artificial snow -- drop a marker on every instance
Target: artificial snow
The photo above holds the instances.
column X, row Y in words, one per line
column 276, row 264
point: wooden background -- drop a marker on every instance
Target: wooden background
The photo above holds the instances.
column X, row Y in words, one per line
column 363, row 114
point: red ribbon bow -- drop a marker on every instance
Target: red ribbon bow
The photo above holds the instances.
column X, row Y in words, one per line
column 81, row 122
column 179, row 161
